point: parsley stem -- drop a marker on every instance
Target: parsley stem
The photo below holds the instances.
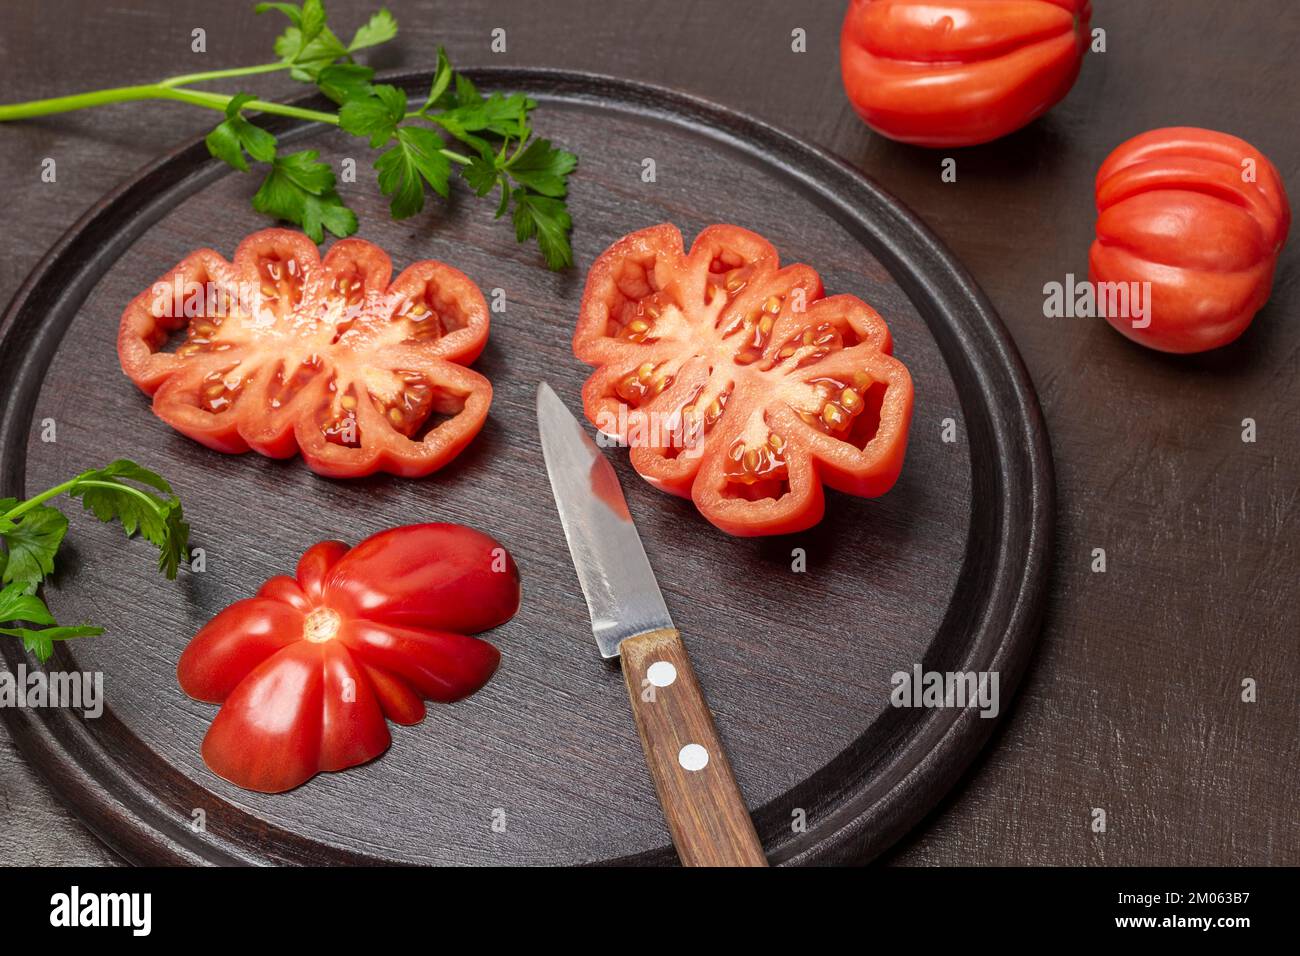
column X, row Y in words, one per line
column 165, row 91
column 218, row 101
column 78, row 482
column 153, row 91
column 79, row 101
column 25, row 506
column 188, row 78
column 119, row 486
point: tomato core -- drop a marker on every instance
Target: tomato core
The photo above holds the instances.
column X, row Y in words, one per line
column 321, row 625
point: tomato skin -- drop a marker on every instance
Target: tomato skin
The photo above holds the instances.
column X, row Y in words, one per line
column 307, row 670
column 754, row 355
column 288, row 353
column 232, row 644
column 959, row 72
column 434, row 576
column 1175, row 211
column 280, row 747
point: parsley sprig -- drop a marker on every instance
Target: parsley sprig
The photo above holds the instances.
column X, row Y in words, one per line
column 488, row 138
column 32, row 531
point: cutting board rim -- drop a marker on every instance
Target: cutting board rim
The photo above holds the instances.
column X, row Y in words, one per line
column 879, row 797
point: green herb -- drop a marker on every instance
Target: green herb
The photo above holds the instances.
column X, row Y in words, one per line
column 494, row 145
column 32, row 531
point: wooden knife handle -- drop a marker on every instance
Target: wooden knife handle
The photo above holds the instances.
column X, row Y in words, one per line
column 702, row 804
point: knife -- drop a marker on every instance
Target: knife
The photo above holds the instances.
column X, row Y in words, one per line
column 705, row 812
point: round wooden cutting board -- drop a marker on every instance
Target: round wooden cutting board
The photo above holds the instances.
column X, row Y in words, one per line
column 544, row 766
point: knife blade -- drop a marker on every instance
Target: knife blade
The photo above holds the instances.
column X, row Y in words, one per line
column 706, row 815
column 622, row 594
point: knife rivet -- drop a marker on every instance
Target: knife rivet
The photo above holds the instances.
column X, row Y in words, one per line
column 661, row 673
column 693, row 757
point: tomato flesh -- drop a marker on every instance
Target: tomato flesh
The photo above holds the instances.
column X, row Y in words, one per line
column 284, row 352
column 1202, row 217
column 960, row 72
column 736, row 382
column 308, row 669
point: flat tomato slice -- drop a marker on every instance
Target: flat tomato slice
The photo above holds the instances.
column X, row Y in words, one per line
column 308, row 669
column 1201, row 216
column 284, row 352
column 735, row 382
column 959, row 72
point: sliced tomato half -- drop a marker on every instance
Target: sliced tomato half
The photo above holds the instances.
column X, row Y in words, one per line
column 283, row 352
column 735, row 382
column 308, row 669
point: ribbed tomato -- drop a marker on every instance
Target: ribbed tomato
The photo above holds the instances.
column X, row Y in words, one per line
column 286, row 353
column 735, row 382
column 1200, row 215
column 308, row 669
column 960, row 72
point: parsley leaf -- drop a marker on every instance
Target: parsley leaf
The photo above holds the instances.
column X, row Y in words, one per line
column 548, row 220
column 345, row 81
column 16, row 605
column 489, row 126
column 235, row 136
column 308, row 46
column 441, row 81
column 415, row 159
column 503, row 116
column 308, row 60
column 312, row 21
column 481, row 174
column 543, row 169
column 467, row 93
column 375, row 116
column 301, row 190
column 290, row 10
column 106, row 493
column 32, row 544
column 302, row 170
column 41, row 642
column 327, row 212
column 381, row 28
column 32, row 531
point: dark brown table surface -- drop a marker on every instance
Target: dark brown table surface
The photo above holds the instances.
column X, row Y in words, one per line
column 1133, row 702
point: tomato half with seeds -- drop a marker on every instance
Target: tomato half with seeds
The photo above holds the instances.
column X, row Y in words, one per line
column 285, row 353
column 960, row 72
column 1202, row 217
column 308, row 669
column 736, row 382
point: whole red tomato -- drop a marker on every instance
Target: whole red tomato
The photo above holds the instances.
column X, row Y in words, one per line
column 1199, row 215
column 736, row 382
column 307, row 670
column 960, row 72
column 284, row 352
